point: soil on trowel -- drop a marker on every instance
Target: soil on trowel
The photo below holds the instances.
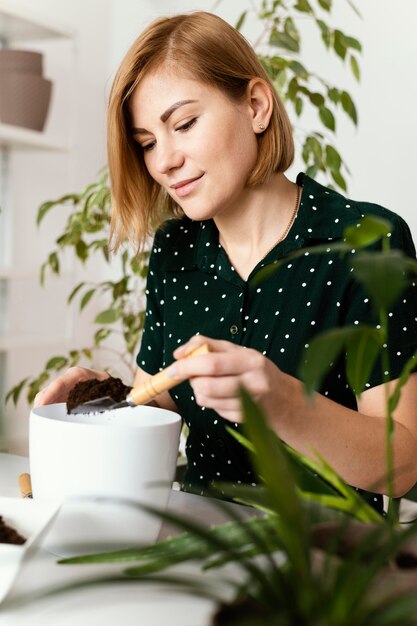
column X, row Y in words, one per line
column 93, row 389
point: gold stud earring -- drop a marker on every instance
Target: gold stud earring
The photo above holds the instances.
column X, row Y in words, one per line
column 261, row 126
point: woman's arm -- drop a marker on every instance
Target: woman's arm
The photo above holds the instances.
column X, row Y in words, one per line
column 353, row 442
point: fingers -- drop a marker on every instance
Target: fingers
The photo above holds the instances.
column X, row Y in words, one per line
column 224, row 359
column 215, row 345
column 58, row 389
column 216, row 377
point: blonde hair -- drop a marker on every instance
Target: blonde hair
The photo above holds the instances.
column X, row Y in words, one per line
column 208, row 49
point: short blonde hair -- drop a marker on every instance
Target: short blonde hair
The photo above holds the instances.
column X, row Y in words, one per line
column 208, row 49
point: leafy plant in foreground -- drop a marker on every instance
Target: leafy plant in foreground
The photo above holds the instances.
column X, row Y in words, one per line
column 283, row 570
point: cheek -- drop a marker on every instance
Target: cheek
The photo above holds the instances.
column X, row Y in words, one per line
column 235, row 154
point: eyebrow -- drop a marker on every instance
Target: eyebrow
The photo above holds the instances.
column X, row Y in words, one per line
column 165, row 115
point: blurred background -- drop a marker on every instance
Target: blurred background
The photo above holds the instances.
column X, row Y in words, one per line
column 82, row 43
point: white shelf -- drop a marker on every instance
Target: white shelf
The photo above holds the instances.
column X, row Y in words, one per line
column 12, row 343
column 23, row 138
column 18, row 23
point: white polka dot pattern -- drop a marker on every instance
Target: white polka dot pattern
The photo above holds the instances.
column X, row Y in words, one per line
column 192, row 288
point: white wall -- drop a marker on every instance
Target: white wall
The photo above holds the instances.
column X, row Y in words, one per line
column 380, row 153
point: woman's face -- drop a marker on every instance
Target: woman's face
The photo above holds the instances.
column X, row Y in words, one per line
column 197, row 144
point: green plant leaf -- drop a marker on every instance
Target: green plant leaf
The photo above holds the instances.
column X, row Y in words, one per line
column 101, row 335
column 382, row 275
column 108, row 317
column 362, row 347
column 53, row 262
column 353, row 43
column 15, row 391
column 307, row 480
column 349, row 106
column 355, row 67
column 36, row 385
column 323, row 350
column 327, row 118
column 333, row 158
column 283, row 40
column 271, row 463
column 338, row 179
column 303, row 6
column 86, row 298
column 325, row 4
column 75, row 291
column 56, row 363
column 81, row 250
column 334, row 95
column 368, row 230
column 362, row 344
column 241, row 20
column 298, row 69
column 317, row 99
column 325, row 32
column 47, row 206
column 339, row 44
column 292, row 89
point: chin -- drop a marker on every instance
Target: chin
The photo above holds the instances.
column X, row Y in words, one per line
column 199, row 214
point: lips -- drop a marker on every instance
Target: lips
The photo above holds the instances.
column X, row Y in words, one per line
column 185, row 187
column 182, row 183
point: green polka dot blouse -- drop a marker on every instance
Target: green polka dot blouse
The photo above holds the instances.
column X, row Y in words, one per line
column 192, row 288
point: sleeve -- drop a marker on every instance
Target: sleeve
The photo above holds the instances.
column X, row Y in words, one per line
column 150, row 357
column 402, row 318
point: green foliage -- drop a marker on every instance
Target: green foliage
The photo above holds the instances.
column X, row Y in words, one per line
column 86, row 235
column 302, row 88
column 318, row 568
column 361, row 344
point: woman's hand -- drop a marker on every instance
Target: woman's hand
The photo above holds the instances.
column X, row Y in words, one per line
column 58, row 389
column 217, row 376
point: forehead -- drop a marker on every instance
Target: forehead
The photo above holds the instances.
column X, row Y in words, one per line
column 159, row 89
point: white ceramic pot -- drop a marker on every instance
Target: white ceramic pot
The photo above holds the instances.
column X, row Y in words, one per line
column 100, row 465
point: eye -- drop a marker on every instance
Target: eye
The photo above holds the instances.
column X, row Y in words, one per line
column 187, row 125
column 148, row 146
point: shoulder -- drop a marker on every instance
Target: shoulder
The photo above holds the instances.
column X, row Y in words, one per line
column 332, row 212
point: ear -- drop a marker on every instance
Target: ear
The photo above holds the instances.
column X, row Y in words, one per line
column 261, row 103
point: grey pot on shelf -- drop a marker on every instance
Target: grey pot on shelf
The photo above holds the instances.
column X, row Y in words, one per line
column 24, row 93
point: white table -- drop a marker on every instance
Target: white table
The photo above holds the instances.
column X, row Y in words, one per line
column 112, row 604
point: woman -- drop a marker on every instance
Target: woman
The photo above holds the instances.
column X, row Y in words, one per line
column 197, row 133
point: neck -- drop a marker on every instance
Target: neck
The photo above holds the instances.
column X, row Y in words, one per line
column 248, row 232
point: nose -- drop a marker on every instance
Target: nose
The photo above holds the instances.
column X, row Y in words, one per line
column 169, row 157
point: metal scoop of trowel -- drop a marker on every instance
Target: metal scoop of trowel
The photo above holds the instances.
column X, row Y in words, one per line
column 141, row 394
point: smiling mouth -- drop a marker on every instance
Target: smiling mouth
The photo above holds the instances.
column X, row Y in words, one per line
column 185, row 187
column 183, row 183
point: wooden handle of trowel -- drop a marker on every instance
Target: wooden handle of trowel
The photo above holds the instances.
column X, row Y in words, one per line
column 25, row 485
column 161, row 381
